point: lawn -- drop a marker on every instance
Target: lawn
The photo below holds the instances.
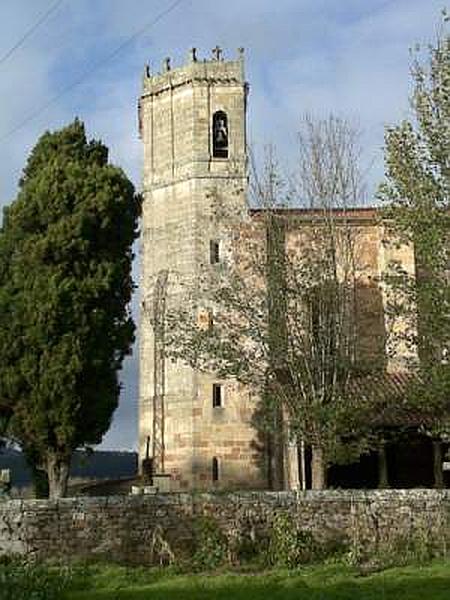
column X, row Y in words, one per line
column 324, row 582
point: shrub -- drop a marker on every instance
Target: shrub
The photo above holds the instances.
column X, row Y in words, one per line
column 397, row 548
column 210, row 544
column 290, row 547
column 22, row 579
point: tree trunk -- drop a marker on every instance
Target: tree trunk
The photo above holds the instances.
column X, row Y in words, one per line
column 58, row 475
column 437, row 464
column 318, row 469
column 40, row 482
column 38, row 472
column 277, row 462
column 383, row 475
column 276, row 452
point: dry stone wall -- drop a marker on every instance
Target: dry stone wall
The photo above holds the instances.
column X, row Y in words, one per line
column 125, row 529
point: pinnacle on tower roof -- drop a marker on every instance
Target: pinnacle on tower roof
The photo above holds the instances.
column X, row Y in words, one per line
column 214, row 67
column 217, row 55
column 193, row 54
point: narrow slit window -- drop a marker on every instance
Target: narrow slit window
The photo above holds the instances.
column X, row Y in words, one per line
column 217, row 395
column 220, row 134
column 214, row 252
column 215, row 469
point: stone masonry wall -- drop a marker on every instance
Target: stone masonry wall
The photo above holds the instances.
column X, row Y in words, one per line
column 182, row 180
column 122, row 528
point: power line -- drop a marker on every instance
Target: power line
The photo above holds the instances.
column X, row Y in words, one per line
column 31, row 30
column 92, row 70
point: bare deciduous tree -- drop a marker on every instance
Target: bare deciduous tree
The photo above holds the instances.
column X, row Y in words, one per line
column 282, row 307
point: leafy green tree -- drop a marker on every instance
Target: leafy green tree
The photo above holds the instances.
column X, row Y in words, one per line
column 416, row 192
column 65, row 287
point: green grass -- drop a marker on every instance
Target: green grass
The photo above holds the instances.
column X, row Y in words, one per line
column 324, row 582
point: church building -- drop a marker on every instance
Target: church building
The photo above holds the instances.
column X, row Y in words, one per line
column 198, row 429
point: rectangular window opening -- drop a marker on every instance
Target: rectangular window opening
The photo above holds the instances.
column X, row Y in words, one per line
column 217, row 395
column 214, row 252
column 215, row 469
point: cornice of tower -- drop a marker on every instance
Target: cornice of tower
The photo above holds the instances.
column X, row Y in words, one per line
column 215, row 70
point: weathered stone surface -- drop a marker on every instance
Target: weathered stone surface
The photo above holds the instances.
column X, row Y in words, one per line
column 181, row 177
column 121, row 529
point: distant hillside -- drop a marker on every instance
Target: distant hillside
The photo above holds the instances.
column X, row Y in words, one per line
column 99, row 465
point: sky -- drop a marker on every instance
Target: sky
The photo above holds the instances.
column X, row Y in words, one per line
column 86, row 59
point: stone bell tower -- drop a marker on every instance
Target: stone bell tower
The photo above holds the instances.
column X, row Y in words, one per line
column 192, row 123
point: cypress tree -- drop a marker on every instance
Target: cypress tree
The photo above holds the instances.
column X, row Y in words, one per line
column 65, row 287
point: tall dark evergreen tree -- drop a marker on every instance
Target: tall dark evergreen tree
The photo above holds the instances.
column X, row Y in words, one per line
column 65, row 287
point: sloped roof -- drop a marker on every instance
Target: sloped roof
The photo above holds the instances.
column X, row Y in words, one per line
column 390, row 395
column 361, row 214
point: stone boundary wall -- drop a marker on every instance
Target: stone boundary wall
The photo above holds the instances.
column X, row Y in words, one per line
column 122, row 528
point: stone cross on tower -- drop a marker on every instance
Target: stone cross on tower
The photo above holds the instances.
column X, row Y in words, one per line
column 217, row 53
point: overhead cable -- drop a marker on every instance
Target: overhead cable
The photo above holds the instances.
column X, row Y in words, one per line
column 40, row 21
column 92, row 70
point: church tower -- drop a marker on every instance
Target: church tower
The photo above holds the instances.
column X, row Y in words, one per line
column 193, row 127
